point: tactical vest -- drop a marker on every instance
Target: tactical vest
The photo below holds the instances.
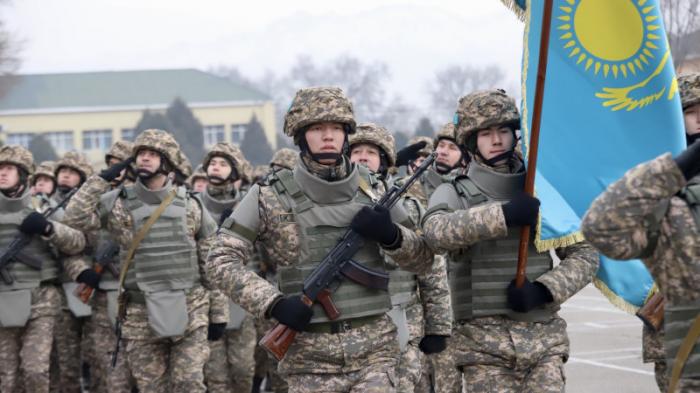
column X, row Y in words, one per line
column 12, row 213
column 166, row 259
column 478, row 276
column 323, row 210
column 217, row 206
column 679, row 317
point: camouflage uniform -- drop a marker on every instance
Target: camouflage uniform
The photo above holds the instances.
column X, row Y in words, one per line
column 495, row 348
column 161, row 357
column 230, row 366
column 196, row 175
column 284, row 158
column 46, row 168
column 357, row 358
column 648, row 215
column 25, row 345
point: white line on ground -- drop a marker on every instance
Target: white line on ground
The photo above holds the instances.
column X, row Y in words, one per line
column 610, row 366
column 599, row 309
column 602, row 351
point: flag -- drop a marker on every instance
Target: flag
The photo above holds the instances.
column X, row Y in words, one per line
column 610, row 102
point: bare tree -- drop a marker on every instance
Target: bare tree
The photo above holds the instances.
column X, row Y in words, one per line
column 682, row 18
column 452, row 82
column 9, row 57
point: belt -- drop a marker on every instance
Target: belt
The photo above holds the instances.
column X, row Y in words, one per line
column 342, row 326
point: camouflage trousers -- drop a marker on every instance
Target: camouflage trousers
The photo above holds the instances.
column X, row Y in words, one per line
column 497, row 354
column 265, row 364
column 359, row 360
column 100, row 334
column 653, row 351
column 25, row 352
column 69, row 341
column 231, row 367
column 412, row 372
column 172, row 365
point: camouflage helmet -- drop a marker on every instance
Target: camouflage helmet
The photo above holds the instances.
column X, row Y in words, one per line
column 376, row 135
column 427, row 150
column 196, row 175
column 285, row 158
column 121, row 150
column 260, row 171
column 483, row 109
column 689, row 86
column 230, row 152
column 318, row 104
column 18, row 156
column 157, row 140
column 183, row 165
column 46, row 168
column 446, row 132
column 76, row 161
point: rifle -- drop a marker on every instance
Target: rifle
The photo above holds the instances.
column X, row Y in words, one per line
column 121, row 316
column 652, row 312
column 14, row 252
column 104, row 259
column 336, row 266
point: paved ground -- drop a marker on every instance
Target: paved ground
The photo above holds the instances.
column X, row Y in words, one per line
column 606, row 347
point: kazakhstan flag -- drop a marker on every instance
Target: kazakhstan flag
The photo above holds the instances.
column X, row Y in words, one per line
column 610, row 103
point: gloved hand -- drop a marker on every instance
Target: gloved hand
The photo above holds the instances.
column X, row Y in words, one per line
column 224, row 215
column 35, row 224
column 293, row 312
column 689, row 160
column 375, row 224
column 113, row 172
column 89, row 277
column 409, row 153
column 433, row 344
column 216, row 331
column 530, row 296
column 521, row 210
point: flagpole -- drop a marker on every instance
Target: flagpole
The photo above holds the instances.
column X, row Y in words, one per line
column 534, row 136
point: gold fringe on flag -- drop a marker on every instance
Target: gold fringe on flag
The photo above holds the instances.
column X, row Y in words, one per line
column 616, row 300
column 513, row 6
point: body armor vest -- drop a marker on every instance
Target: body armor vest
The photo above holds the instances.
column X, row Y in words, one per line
column 166, row 259
column 12, row 213
column 217, row 206
column 323, row 210
column 479, row 275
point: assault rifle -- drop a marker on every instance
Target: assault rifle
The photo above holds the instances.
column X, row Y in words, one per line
column 105, row 256
column 336, row 266
column 652, row 312
column 14, row 252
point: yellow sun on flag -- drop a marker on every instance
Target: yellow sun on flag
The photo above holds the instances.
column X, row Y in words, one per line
column 612, row 37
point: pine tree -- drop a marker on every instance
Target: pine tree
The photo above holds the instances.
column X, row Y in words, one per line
column 254, row 144
column 425, row 128
column 186, row 129
column 41, row 149
column 152, row 120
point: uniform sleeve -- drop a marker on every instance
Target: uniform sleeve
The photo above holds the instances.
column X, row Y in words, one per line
column 579, row 264
column 413, row 254
column 446, row 231
column 81, row 212
column 67, row 240
column 435, row 298
column 620, row 220
column 76, row 264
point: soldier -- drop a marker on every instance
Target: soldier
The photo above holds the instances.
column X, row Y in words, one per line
column 32, row 301
column 505, row 339
column 652, row 213
column 44, row 180
column 230, row 366
column 162, row 232
column 298, row 218
column 183, row 169
column 411, row 294
column 284, row 158
column 198, row 181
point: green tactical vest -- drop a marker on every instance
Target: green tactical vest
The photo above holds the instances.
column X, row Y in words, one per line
column 323, row 210
column 166, row 259
column 679, row 317
column 217, row 206
column 12, row 213
column 478, row 277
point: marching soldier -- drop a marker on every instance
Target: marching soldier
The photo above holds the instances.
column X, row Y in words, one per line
column 198, row 181
column 44, row 180
column 505, row 339
column 162, row 232
column 298, row 218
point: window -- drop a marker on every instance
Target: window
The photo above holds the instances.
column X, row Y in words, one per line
column 97, row 139
column 62, row 141
column 20, row 138
column 237, row 133
column 213, row 134
column 128, row 134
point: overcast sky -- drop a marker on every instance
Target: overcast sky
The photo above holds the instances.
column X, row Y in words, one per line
column 414, row 38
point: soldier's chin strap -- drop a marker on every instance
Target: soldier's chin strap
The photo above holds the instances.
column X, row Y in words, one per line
column 16, row 190
column 689, row 139
column 318, row 157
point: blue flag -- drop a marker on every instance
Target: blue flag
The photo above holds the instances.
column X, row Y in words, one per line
column 611, row 101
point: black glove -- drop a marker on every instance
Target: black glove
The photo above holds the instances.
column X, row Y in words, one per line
column 216, row 331
column 375, row 224
column 115, row 170
column 224, row 215
column 409, row 153
column 528, row 297
column 689, row 160
column 291, row 311
column 89, row 277
column 35, row 224
column 433, row 344
column 521, row 210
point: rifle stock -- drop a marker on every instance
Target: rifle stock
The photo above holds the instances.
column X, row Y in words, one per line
column 652, row 312
column 84, row 291
column 278, row 339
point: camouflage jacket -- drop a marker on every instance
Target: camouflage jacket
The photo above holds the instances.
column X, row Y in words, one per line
column 64, row 239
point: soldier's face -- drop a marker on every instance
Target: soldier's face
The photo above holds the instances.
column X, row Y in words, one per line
column 692, row 119
column 219, row 168
column 327, row 138
column 69, row 178
column 148, row 160
column 494, row 141
column 43, row 184
column 9, row 176
column 199, row 185
column 367, row 155
column 448, row 152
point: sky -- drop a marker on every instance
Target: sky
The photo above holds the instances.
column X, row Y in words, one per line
column 413, row 37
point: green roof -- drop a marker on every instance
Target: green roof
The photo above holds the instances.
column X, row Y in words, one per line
column 122, row 89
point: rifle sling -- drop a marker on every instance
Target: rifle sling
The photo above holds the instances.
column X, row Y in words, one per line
column 684, row 351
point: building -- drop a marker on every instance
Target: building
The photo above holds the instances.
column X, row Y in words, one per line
column 88, row 111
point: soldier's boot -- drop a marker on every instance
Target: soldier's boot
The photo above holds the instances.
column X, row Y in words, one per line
column 257, row 381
